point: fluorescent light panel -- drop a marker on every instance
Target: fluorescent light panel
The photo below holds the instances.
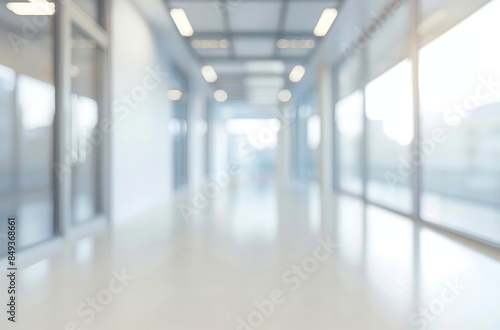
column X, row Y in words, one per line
column 285, row 96
column 38, row 8
column 174, row 94
column 296, row 43
column 325, row 22
column 209, row 74
column 297, row 73
column 220, row 95
column 210, row 44
column 182, row 22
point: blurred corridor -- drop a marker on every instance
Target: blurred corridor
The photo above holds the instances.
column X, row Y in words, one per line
column 250, row 164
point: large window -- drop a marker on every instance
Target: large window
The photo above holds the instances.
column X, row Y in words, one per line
column 457, row 155
column 460, row 100
column 389, row 110
column 349, row 127
column 389, row 113
column 86, row 144
column 349, row 121
column 36, row 139
column 178, row 128
column 307, row 138
column 27, row 107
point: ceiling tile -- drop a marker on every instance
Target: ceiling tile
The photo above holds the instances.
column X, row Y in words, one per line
column 255, row 16
column 204, row 17
column 213, row 52
column 294, row 52
column 228, row 68
column 254, row 47
column 304, row 15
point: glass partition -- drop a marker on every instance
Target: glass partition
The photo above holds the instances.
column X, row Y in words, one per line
column 86, row 143
column 27, row 108
column 460, row 98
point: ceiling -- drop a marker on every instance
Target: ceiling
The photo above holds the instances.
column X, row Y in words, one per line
column 252, row 44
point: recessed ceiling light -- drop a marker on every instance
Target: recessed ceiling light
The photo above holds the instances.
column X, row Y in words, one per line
column 297, row 73
column 39, row 8
column 220, row 95
column 75, row 71
column 296, row 43
column 174, row 94
column 209, row 73
column 285, row 96
column 210, row 43
column 182, row 22
column 325, row 22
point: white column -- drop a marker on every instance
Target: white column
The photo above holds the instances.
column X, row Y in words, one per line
column 325, row 104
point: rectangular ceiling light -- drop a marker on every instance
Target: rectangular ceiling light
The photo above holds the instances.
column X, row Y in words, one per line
column 297, row 73
column 296, row 43
column 41, row 8
column 209, row 74
column 174, row 94
column 325, row 22
column 182, row 22
column 210, row 44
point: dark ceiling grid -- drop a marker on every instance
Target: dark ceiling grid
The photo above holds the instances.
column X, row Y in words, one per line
column 281, row 25
column 227, row 27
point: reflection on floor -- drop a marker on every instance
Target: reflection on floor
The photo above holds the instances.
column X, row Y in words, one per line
column 257, row 257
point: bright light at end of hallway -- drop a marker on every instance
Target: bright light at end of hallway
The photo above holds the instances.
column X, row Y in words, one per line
column 182, row 22
column 220, row 95
column 325, row 22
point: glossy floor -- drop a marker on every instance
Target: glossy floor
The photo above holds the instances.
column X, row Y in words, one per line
column 259, row 257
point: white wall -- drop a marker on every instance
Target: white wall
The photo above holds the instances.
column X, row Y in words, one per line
column 141, row 145
column 144, row 39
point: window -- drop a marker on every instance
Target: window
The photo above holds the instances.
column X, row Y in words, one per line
column 308, row 136
column 85, row 142
column 349, row 127
column 27, row 107
column 460, row 97
column 349, row 122
column 389, row 114
column 389, row 111
column 178, row 128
